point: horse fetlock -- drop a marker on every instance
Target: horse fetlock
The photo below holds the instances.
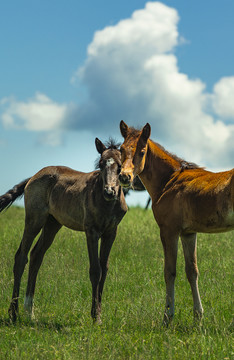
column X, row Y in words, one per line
column 198, row 314
column 97, row 319
column 28, row 306
column 13, row 311
column 167, row 318
column 96, row 311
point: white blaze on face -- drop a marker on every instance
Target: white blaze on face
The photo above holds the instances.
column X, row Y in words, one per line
column 110, row 162
column 110, row 180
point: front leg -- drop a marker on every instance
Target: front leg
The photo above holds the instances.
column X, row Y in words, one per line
column 94, row 271
column 107, row 240
column 170, row 246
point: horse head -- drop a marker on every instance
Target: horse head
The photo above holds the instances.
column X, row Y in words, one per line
column 110, row 166
column 133, row 152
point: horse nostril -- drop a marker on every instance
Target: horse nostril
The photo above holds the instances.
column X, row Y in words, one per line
column 113, row 190
column 125, row 178
column 109, row 192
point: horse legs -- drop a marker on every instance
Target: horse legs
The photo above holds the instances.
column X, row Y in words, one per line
column 106, row 245
column 32, row 228
column 170, row 246
column 45, row 240
column 94, row 271
column 189, row 243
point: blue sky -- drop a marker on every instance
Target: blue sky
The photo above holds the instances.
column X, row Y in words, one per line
column 71, row 70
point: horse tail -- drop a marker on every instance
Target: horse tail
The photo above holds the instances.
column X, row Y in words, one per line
column 10, row 196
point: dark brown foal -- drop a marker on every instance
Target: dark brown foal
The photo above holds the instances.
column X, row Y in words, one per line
column 59, row 196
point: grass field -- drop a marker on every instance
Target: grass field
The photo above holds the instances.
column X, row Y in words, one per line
column 133, row 300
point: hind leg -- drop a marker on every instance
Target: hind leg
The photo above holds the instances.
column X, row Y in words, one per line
column 33, row 225
column 189, row 243
column 49, row 231
column 170, row 246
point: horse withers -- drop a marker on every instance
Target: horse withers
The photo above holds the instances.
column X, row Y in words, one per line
column 186, row 199
column 58, row 196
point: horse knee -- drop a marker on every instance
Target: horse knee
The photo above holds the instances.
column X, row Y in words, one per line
column 169, row 275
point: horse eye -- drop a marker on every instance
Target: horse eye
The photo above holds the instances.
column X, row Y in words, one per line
column 142, row 153
column 119, row 169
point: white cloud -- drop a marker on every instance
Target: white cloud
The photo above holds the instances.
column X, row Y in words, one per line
column 223, row 98
column 149, row 31
column 37, row 114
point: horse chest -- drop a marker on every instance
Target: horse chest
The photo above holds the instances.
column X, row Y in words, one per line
column 105, row 219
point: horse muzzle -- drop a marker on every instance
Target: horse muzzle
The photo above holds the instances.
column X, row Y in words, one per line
column 125, row 179
column 109, row 193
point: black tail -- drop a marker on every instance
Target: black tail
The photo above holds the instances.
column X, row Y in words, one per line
column 7, row 199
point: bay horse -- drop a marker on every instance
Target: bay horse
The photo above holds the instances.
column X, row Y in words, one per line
column 186, row 199
column 58, row 196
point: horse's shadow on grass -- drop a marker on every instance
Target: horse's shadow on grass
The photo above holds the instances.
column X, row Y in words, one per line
column 64, row 326
column 51, row 324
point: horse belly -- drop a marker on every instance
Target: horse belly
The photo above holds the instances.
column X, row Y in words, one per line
column 214, row 221
column 225, row 224
column 68, row 212
column 73, row 222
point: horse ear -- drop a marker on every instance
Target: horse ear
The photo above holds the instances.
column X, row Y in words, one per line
column 146, row 131
column 99, row 146
column 123, row 129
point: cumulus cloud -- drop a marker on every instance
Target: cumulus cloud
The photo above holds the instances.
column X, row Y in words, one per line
column 119, row 85
column 149, row 31
column 223, row 96
column 38, row 114
column 131, row 73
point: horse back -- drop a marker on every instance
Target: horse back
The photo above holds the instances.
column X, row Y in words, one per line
column 199, row 201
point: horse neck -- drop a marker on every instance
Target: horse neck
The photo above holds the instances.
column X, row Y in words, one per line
column 158, row 169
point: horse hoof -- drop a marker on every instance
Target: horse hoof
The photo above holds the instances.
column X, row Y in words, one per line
column 167, row 319
column 97, row 321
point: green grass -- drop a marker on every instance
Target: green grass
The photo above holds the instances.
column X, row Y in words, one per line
column 133, row 300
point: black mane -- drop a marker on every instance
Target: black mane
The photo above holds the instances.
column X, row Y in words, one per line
column 183, row 163
column 111, row 144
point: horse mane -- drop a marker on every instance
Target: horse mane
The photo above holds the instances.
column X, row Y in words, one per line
column 184, row 165
column 110, row 144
